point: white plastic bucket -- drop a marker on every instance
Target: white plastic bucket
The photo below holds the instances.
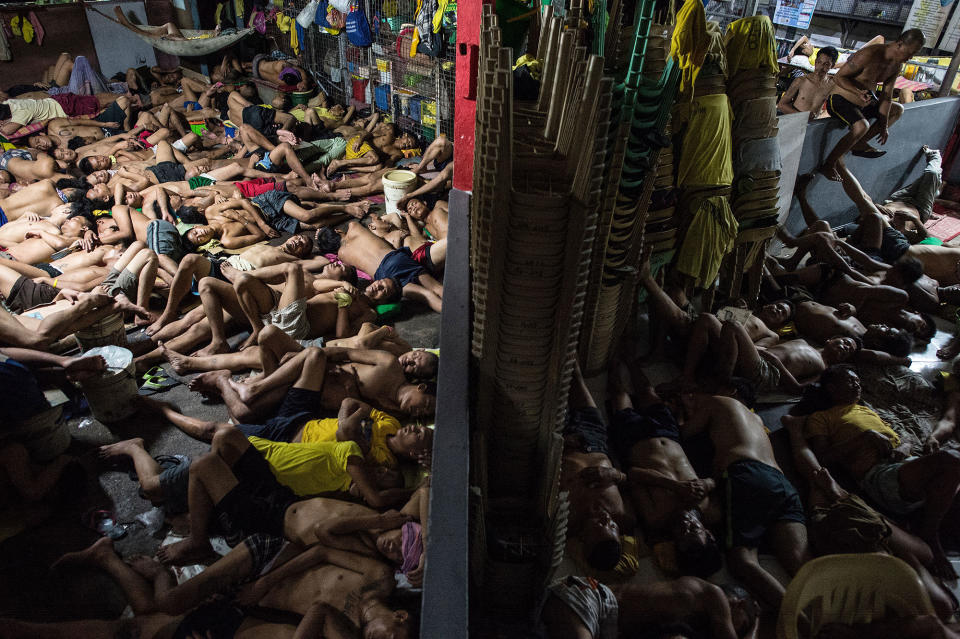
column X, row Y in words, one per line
column 44, row 435
column 396, row 184
column 106, row 332
column 112, row 394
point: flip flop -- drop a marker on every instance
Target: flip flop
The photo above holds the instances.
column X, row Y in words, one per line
column 156, row 381
column 868, row 153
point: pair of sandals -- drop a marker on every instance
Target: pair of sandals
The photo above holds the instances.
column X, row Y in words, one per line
column 156, row 381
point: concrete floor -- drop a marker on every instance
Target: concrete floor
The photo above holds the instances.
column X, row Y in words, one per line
column 30, row 590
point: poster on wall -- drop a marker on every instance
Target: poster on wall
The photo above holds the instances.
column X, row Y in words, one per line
column 950, row 34
column 795, row 13
column 929, row 16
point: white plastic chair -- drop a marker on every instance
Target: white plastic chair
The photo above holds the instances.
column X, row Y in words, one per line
column 855, row 588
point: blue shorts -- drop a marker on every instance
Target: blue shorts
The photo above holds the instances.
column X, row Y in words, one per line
column 399, row 265
column 271, row 204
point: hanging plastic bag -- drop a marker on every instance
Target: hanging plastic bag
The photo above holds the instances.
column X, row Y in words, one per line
column 336, row 19
column 343, row 6
column 309, row 13
column 358, row 30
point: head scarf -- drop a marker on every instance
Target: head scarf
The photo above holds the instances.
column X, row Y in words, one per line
column 412, row 544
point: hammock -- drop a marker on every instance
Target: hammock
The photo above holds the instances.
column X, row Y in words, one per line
column 198, row 43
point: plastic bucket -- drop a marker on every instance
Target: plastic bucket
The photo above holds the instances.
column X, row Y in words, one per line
column 396, row 184
column 112, row 394
column 301, row 97
column 107, row 332
column 45, row 435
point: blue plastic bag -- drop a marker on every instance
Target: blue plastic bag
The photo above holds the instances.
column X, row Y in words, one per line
column 358, row 29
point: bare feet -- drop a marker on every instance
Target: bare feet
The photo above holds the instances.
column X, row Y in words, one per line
column 209, row 383
column 320, row 183
column 126, row 306
column 159, row 323
column 830, row 172
column 119, row 449
column 250, row 341
column 147, row 567
column 188, row 551
column 147, row 320
column 94, row 555
column 951, row 349
column 358, row 209
column 180, row 363
column 244, row 391
column 214, row 348
column 341, row 194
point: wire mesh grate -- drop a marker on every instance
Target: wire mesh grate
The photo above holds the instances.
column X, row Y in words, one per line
column 417, row 93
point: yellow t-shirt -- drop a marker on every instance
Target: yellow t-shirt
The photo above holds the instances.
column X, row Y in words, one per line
column 325, row 430
column 309, row 469
column 350, row 154
column 25, row 112
column 840, row 424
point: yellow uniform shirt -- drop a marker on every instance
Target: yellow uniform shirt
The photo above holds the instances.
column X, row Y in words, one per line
column 325, row 430
column 26, row 112
column 840, row 424
column 350, row 154
column 309, row 469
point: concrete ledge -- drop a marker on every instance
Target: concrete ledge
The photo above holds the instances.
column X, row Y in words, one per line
column 446, row 579
column 928, row 122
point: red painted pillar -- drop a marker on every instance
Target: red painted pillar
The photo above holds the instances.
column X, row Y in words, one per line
column 465, row 110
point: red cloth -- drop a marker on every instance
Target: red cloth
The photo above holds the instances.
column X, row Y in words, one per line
column 258, row 186
column 143, row 138
column 74, row 104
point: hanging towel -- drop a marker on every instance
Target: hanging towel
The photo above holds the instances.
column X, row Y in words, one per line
column 218, row 13
column 751, row 45
column 27, row 30
column 295, row 31
column 711, row 235
column 438, row 16
column 15, row 26
column 238, row 10
column 707, row 150
column 690, row 42
column 37, row 27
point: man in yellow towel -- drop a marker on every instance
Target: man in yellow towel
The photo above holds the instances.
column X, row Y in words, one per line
column 854, row 102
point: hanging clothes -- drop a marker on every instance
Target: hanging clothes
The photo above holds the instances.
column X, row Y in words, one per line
column 218, row 13
column 37, row 27
column 690, row 42
column 751, row 44
column 706, row 156
column 238, row 10
column 711, row 235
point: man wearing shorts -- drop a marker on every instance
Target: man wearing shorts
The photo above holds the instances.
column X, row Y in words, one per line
column 853, row 438
column 667, row 494
column 759, row 502
column 853, row 100
column 372, row 254
column 597, row 514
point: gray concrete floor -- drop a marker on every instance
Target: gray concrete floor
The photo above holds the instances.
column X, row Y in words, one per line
column 30, row 590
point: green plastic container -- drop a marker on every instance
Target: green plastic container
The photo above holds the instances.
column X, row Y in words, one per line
column 301, row 97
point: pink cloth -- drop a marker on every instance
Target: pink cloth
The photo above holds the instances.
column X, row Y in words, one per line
column 412, row 544
column 335, row 259
column 78, row 104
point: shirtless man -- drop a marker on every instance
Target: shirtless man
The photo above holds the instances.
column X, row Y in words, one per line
column 40, row 198
column 325, row 308
column 194, row 267
column 761, row 503
column 597, row 513
column 361, row 248
column 264, row 119
column 434, row 221
column 809, row 92
column 855, row 440
column 580, row 608
column 438, row 155
column 59, row 320
column 669, row 497
column 788, row 365
column 375, row 377
column 236, row 223
column 29, row 167
column 853, row 102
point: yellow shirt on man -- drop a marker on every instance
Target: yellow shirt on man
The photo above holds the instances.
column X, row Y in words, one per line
column 841, row 424
column 384, row 425
column 309, row 469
